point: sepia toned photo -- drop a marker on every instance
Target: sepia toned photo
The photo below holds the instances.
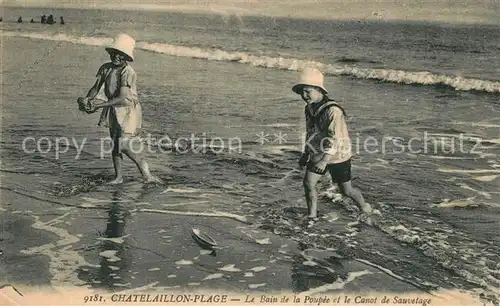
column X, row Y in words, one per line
column 250, row 152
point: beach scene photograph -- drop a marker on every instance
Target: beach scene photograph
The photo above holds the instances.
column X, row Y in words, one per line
column 250, row 152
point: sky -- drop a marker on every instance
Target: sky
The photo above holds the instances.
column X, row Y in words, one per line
column 456, row 11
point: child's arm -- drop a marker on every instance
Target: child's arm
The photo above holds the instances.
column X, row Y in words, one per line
column 306, row 152
column 309, row 132
column 330, row 143
column 95, row 89
column 92, row 93
column 121, row 100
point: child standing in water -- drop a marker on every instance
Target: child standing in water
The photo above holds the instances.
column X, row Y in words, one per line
column 122, row 112
column 328, row 146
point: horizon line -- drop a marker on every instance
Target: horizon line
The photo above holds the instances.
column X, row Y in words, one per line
column 241, row 12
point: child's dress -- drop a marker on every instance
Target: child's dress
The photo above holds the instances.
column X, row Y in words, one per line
column 121, row 120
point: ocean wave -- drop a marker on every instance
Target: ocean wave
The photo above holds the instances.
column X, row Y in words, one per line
column 91, row 41
column 292, row 64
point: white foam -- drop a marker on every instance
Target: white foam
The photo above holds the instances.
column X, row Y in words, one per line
column 478, row 124
column 339, row 284
column 110, row 255
column 91, row 41
column 118, row 240
column 154, row 269
column 495, row 205
column 214, row 276
column 258, row 269
column 482, row 193
column 185, row 203
column 202, row 214
column 63, row 260
column 229, row 268
column 184, row 262
column 263, row 241
column 474, row 171
column 255, row 286
column 387, row 75
column 450, row 157
column 139, row 289
column 399, row 228
column 455, row 203
column 181, row 190
column 309, row 263
column 486, row 178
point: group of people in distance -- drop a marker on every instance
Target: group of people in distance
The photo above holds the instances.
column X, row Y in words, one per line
column 44, row 20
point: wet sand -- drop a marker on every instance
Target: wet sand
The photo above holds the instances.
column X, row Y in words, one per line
column 112, row 248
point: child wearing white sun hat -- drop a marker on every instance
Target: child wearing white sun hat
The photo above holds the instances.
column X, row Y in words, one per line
column 328, row 146
column 122, row 113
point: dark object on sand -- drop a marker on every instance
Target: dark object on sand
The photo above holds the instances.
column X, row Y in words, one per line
column 32, row 20
column 50, row 19
column 204, row 239
column 43, row 19
column 20, row 20
column 1, row 19
column 62, row 20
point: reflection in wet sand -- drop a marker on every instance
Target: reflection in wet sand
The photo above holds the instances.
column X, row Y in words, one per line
column 114, row 264
column 309, row 274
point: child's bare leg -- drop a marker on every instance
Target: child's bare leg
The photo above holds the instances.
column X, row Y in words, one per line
column 139, row 159
column 354, row 193
column 310, row 181
column 140, row 162
column 117, row 164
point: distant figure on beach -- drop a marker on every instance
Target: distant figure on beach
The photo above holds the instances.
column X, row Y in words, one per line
column 32, row 20
column 328, row 146
column 122, row 113
column 50, row 19
column 1, row 19
column 20, row 20
column 43, row 19
column 62, row 20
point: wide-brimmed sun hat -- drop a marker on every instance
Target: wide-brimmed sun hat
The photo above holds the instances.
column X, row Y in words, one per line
column 310, row 77
column 124, row 44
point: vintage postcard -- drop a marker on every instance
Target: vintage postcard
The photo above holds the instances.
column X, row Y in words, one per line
column 250, row 152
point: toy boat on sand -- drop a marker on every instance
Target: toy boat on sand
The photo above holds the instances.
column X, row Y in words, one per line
column 204, row 239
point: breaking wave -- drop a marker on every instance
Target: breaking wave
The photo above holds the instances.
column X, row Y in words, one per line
column 385, row 75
